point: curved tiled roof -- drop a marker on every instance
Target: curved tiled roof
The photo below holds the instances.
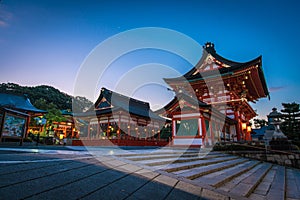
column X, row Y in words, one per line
column 109, row 101
column 18, row 102
column 231, row 69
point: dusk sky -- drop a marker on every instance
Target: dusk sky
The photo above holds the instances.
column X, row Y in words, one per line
column 46, row 41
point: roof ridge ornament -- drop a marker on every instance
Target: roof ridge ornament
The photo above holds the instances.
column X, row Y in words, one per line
column 209, row 47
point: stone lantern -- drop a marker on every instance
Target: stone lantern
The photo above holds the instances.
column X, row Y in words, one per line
column 274, row 137
column 274, row 119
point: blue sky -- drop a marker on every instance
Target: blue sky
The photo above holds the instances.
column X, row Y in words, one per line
column 45, row 42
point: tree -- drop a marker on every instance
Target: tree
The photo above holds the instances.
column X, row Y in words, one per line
column 291, row 125
column 259, row 123
column 80, row 104
column 41, row 96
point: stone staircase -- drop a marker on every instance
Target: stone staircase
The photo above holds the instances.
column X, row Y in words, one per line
column 233, row 175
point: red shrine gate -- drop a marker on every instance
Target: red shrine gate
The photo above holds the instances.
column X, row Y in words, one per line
column 222, row 90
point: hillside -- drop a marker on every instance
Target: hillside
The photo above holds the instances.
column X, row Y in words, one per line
column 43, row 95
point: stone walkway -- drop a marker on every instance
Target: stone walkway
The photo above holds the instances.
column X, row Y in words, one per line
column 112, row 173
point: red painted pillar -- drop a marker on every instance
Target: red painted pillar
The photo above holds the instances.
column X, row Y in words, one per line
column 238, row 125
column 203, row 131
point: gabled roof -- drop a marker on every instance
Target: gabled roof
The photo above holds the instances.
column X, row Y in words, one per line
column 193, row 103
column 109, row 101
column 228, row 67
column 190, row 102
column 18, row 102
column 231, row 66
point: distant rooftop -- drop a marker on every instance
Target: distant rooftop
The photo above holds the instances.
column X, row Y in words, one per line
column 18, row 102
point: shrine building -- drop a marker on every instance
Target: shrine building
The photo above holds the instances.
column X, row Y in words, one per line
column 116, row 119
column 212, row 99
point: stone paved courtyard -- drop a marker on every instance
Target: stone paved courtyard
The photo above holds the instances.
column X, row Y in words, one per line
column 113, row 173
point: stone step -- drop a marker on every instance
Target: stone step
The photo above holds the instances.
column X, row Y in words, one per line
column 248, row 185
column 153, row 157
column 277, row 189
column 162, row 152
column 189, row 165
column 292, row 183
column 262, row 189
column 203, row 170
column 166, row 161
column 219, row 178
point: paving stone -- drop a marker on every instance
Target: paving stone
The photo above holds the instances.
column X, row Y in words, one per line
column 220, row 179
column 114, row 163
column 213, row 195
column 35, row 173
column 246, row 186
column 182, row 195
column 103, row 158
column 231, row 184
column 166, row 180
column 128, row 168
column 152, row 189
column 45, row 183
column 147, row 173
column 181, row 166
column 119, row 189
column 13, row 168
column 277, row 189
column 82, row 187
column 187, row 187
column 257, row 197
column 293, row 184
column 263, row 188
column 199, row 171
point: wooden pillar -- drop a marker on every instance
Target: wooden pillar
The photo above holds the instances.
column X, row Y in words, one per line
column 203, row 131
column 200, row 127
column 89, row 130
column 238, row 125
column 26, row 126
column 173, row 130
column 65, row 131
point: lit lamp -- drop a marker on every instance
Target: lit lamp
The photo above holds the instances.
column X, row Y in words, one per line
column 244, row 126
column 249, row 129
column 244, row 130
column 249, row 133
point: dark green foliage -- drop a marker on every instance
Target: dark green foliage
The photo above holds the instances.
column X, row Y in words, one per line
column 291, row 122
column 81, row 104
column 259, row 123
column 42, row 96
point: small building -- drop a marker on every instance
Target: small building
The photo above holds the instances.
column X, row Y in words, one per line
column 15, row 113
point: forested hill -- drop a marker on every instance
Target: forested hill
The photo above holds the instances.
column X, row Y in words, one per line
column 42, row 96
